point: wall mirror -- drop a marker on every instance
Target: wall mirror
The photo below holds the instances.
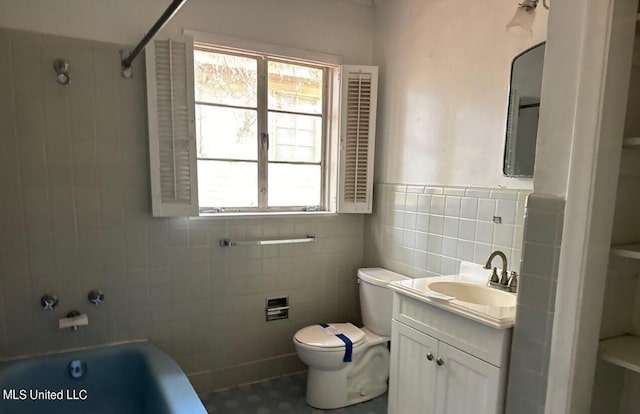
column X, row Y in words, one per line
column 523, row 112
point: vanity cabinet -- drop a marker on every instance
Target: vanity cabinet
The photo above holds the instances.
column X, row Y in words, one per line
column 444, row 363
column 411, row 371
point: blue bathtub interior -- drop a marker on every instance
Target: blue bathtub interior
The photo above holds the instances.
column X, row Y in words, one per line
column 125, row 379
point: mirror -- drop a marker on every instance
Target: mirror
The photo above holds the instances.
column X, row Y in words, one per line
column 523, row 113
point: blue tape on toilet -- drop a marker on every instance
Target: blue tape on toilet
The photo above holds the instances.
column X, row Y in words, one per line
column 348, row 348
column 348, row 351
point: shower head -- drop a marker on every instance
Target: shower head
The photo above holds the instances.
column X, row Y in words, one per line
column 62, row 71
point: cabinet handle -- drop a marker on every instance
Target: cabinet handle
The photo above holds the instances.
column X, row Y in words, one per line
column 440, row 361
column 430, row 356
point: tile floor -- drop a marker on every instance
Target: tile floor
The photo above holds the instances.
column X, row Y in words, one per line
column 280, row 395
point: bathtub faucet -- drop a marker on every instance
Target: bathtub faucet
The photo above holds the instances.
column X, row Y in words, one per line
column 73, row 320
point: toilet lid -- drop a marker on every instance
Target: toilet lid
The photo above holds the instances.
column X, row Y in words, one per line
column 316, row 335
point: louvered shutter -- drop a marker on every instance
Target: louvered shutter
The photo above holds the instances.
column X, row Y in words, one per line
column 171, row 117
column 359, row 91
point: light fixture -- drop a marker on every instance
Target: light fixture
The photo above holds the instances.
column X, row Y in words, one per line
column 522, row 22
column 62, row 71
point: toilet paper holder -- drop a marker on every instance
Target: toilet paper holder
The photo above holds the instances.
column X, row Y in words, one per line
column 277, row 308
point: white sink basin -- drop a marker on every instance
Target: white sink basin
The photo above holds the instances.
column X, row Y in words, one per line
column 480, row 295
column 465, row 294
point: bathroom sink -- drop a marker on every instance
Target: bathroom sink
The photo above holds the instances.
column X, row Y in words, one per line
column 480, row 295
column 465, row 294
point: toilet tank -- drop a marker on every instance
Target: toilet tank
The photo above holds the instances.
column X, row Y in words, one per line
column 376, row 298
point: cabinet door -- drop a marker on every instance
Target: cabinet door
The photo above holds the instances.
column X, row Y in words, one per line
column 466, row 384
column 413, row 375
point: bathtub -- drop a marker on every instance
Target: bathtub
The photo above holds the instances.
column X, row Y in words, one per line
column 134, row 378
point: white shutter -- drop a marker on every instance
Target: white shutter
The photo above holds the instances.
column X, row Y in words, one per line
column 171, row 116
column 357, row 138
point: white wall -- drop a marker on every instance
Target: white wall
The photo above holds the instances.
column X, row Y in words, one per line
column 333, row 26
column 445, row 68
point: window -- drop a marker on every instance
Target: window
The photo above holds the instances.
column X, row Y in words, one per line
column 260, row 132
column 235, row 131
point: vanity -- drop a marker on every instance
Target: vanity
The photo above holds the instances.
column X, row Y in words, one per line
column 450, row 343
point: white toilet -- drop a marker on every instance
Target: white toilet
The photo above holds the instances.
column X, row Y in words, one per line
column 337, row 379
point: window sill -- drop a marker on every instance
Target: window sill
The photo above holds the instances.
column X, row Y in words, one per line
column 267, row 214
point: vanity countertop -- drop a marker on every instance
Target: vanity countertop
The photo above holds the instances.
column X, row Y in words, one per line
column 499, row 317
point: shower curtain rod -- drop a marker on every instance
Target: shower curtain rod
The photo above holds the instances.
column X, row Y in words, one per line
column 159, row 24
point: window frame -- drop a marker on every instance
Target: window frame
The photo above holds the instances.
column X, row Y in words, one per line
column 328, row 121
column 351, row 120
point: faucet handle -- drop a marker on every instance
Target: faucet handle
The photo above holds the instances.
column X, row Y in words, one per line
column 494, row 276
column 504, row 277
column 48, row 301
column 513, row 282
column 96, row 297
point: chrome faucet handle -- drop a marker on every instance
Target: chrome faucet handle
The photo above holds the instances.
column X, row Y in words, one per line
column 513, row 282
column 504, row 277
column 96, row 297
column 48, row 301
column 494, row 276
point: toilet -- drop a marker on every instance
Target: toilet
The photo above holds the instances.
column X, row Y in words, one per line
column 347, row 364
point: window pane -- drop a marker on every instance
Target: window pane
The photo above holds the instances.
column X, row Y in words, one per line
column 295, row 88
column 226, row 133
column 227, row 184
column 295, row 137
column 294, row 185
column 225, row 79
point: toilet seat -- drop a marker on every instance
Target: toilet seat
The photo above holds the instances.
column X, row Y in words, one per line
column 317, row 337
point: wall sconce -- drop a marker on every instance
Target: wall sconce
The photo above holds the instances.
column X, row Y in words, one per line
column 62, row 71
column 522, row 22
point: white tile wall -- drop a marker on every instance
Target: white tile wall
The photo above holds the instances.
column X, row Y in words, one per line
column 426, row 231
column 75, row 215
column 530, row 350
column 453, row 224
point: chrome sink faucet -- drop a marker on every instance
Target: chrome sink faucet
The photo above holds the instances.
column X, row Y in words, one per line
column 504, row 282
column 504, row 279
